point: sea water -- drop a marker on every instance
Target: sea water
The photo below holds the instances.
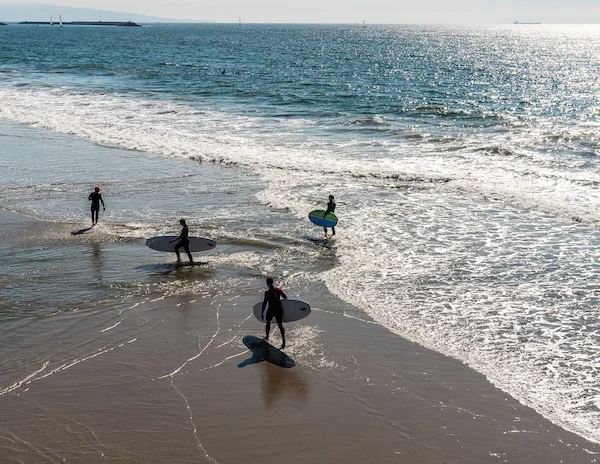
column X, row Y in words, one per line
column 463, row 159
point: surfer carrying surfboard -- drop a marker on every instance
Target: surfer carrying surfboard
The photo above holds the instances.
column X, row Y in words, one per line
column 96, row 198
column 330, row 209
column 183, row 242
column 273, row 298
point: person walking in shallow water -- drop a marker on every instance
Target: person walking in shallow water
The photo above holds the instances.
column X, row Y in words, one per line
column 330, row 209
column 183, row 242
column 96, row 198
column 273, row 299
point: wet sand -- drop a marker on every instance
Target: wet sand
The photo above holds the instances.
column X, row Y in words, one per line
column 159, row 379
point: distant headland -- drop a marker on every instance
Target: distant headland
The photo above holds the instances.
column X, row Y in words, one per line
column 86, row 23
column 32, row 12
column 519, row 22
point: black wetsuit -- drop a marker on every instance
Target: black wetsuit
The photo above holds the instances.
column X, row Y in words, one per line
column 273, row 298
column 183, row 240
column 330, row 209
column 96, row 199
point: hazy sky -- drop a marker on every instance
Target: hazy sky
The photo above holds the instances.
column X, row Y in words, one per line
column 352, row 11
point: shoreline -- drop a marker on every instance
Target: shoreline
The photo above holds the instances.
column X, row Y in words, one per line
column 158, row 378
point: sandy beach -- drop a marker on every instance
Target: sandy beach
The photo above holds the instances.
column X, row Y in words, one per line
column 170, row 378
column 454, row 315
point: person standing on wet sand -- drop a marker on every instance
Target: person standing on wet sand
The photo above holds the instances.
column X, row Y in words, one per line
column 183, row 242
column 330, row 209
column 273, row 298
column 96, row 198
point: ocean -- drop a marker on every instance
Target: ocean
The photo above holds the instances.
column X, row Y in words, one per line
column 464, row 161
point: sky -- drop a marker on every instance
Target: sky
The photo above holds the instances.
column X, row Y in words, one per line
column 351, row 11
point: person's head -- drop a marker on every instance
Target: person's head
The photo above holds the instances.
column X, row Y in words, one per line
column 96, row 188
column 330, row 197
column 182, row 222
column 269, row 282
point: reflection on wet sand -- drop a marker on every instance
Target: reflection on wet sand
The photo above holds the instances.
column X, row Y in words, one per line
column 97, row 259
column 276, row 383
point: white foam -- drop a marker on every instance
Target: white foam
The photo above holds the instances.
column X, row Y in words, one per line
column 511, row 295
column 492, row 165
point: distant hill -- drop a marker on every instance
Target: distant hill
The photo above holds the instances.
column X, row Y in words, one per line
column 37, row 12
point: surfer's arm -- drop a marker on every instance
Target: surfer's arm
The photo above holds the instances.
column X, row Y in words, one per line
column 264, row 305
column 90, row 197
column 102, row 201
column 180, row 236
column 283, row 295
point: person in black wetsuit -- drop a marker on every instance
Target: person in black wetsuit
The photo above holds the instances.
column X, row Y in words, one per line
column 96, row 198
column 330, row 209
column 273, row 298
column 183, row 242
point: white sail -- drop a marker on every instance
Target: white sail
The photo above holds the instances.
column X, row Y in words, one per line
column 60, row 20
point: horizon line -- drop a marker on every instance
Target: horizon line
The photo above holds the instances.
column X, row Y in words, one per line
column 204, row 21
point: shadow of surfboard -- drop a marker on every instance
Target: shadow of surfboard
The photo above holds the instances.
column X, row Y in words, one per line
column 264, row 351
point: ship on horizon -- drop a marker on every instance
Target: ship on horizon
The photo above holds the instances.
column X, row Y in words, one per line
column 523, row 22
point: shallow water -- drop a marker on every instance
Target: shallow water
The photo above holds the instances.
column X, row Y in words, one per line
column 463, row 159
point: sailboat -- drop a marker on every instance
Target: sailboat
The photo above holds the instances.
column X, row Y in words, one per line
column 363, row 24
column 60, row 20
column 240, row 20
column 51, row 23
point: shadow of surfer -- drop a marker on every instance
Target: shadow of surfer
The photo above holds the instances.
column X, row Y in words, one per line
column 276, row 384
column 264, row 351
column 82, row 231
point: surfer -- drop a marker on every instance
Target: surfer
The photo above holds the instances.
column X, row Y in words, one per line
column 183, row 242
column 96, row 198
column 273, row 297
column 330, row 209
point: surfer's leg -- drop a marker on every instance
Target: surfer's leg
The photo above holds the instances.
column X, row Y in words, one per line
column 279, row 319
column 333, row 230
column 177, row 247
column 93, row 222
column 268, row 326
column 186, row 248
column 325, row 230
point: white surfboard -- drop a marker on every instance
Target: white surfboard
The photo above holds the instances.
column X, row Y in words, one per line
column 293, row 310
column 197, row 244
